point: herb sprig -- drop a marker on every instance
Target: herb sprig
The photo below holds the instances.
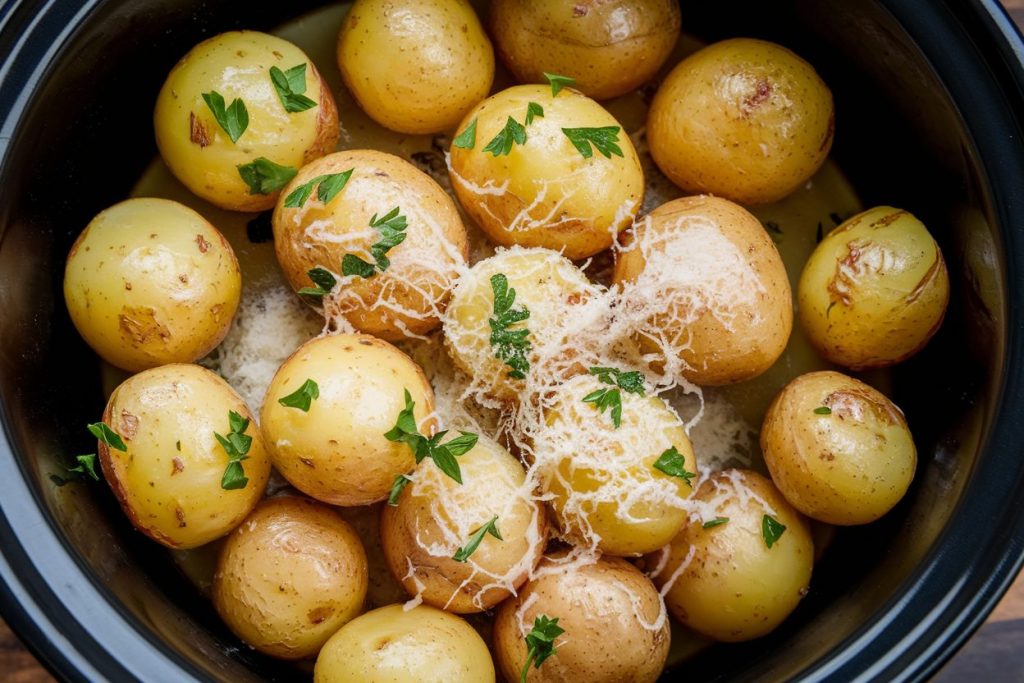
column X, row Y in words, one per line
column 510, row 346
column 443, row 454
column 467, row 138
column 822, row 410
column 323, row 280
column 476, row 538
column 233, row 119
column 291, row 86
column 631, row 382
column 512, row 133
column 263, row 176
column 673, row 463
column 107, row 435
column 397, row 486
column 303, row 397
column 771, row 530
column 604, row 139
column 327, row 188
column 717, row 521
column 391, row 227
column 558, row 82
column 236, row 444
column 540, row 643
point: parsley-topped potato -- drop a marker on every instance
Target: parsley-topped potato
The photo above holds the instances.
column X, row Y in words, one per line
column 546, row 166
column 373, row 240
column 238, row 116
column 415, row 66
column 330, row 413
column 182, row 454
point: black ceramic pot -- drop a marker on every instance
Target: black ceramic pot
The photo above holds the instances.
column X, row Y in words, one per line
column 930, row 99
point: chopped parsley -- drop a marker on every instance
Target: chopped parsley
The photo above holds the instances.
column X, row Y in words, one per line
column 717, row 521
column 533, row 110
column 510, row 346
column 771, row 530
column 236, row 444
column 822, row 410
column 392, row 233
column 107, row 435
column 443, row 455
column 291, row 86
column 673, row 463
column 540, row 643
column 512, row 133
column 605, row 139
column 467, row 138
column 233, row 119
column 397, row 486
column 558, row 82
column 263, row 176
column 632, row 382
column 303, row 397
column 476, row 538
column 327, row 187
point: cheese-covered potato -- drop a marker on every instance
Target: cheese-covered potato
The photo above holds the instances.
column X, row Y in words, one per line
column 149, row 282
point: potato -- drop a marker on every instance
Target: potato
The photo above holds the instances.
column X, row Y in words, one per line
column 409, row 295
column 435, row 517
column 393, row 645
column 383, row 588
column 615, row 624
column 719, row 576
column 237, row 65
column 415, row 66
column 545, row 192
column 707, row 290
column 839, row 450
column 610, row 48
column 743, row 119
column 336, row 451
column 606, row 491
column 169, row 480
column 545, row 284
column 150, row 282
column 874, row 291
column 289, row 577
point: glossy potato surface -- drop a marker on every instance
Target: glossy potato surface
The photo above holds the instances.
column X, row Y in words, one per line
column 742, row 119
column 290, row 576
column 169, row 480
column 415, row 66
column 149, row 282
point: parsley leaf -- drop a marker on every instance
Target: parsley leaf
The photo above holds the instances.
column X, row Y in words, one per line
column 476, row 538
column 353, row 265
column 323, row 280
column 107, row 435
column 263, row 176
column 86, row 467
column 405, row 431
column 467, row 138
column 632, row 382
column 233, row 119
column 401, row 481
column 717, row 521
column 673, row 463
column 513, row 132
column 303, row 397
column 290, row 86
column 328, row 186
column 540, row 643
column 771, row 530
column 533, row 110
column 558, row 82
column 604, row 399
column 604, row 139
column 822, row 410
column 510, row 346
column 391, row 227
column 236, row 444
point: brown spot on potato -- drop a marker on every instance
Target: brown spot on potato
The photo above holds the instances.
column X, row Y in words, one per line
column 129, row 425
column 887, row 220
column 579, row 10
column 762, row 91
column 307, row 462
column 177, row 465
column 197, row 132
column 201, row 242
column 180, row 515
column 829, row 132
column 318, row 615
column 937, row 267
column 139, row 323
column 183, row 279
column 215, row 311
column 128, row 286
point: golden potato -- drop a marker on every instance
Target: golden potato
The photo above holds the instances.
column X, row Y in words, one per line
column 398, row 289
column 289, row 577
column 742, row 119
column 615, row 626
column 724, row 579
column 540, row 189
column 171, row 478
column 150, row 282
column 707, row 289
column 394, row 645
column 383, row 589
column 609, row 48
column 436, row 517
column 239, row 156
column 546, row 285
column 415, row 66
column 607, row 490
column 335, row 449
column 874, row 291
column 839, row 450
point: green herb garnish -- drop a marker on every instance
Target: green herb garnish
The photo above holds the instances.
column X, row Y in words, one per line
column 324, row 281
column 443, row 455
column 236, row 444
column 513, row 132
column 533, row 110
column 233, row 119
column 771, row 530
column 263, row 176
column 290, row 86
column 822, row 410
column 510, row 346
column 673, row 463
column 303, row 397
column 86, row 467
column 327, row 187
column 401, row 481
column 717, row 521
column 632, row 382
column 558, row 82
column 477, row 537
column 540, row 643
column 107, row 435
column 392, row 233
column 604, row 139
column 467, row 138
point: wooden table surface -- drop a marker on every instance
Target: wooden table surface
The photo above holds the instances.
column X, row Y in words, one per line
column 1002, row 634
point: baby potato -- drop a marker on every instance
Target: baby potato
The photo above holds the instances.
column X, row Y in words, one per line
column 170, row 479
column 545, row 284
column 839, row 450
column 609, row 483
column 239, row 114
column 333, row 448
column 722, row 577
column 874, row 291
column 743, row 119
column 383, row 588
column 609, row 48
column 394, row 645
column 289, row 577
column 150, row 282
column 615, row 626
column 707, row 289
column 415, row 66
column 405, row 287
column 436, row 517
column 541, row 189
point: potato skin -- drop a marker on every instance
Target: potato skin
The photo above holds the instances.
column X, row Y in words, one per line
column 850, row 466
column 237, row 65
column 712, row 286
column 169, row 480
column 434, row 506
column 734, row 587
column 585, row 460
column 416, row 286
column 610, row 48
column 603, row 608
column 874, row 291
column 392, row 645
column 743, row 119
column 415, row 81
column 553, row 197
column 289, row 577
column 336, row 452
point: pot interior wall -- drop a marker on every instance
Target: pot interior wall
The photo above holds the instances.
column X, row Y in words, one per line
column 88, row 135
